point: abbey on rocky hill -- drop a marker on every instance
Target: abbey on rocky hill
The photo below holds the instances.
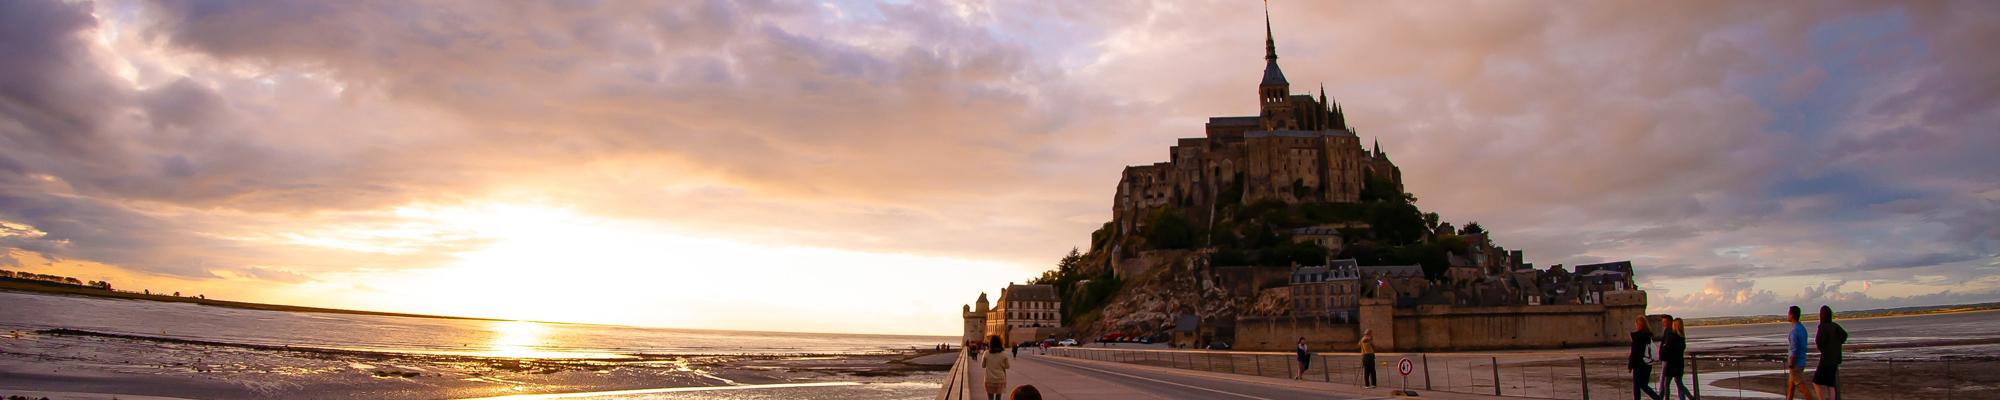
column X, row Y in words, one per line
column 1298, row 149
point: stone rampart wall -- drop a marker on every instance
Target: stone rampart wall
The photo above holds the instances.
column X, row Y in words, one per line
column 1449, row 328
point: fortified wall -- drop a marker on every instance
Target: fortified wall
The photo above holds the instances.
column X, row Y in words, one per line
column 1281, row 333
column 1452, row 328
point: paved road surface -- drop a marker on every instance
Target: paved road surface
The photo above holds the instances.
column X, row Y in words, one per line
column 1065, row 378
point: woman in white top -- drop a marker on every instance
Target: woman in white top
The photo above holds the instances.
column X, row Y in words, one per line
column 996, row 365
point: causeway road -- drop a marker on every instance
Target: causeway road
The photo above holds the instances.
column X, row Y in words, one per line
column 1070, row 378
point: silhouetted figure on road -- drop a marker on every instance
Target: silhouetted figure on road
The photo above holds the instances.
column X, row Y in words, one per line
column 1642, row 369
column 1831, row 337
column 1795, row 358
column 1368, row 358
column 1305, row 359
column 1673, row 349
column 996, row 365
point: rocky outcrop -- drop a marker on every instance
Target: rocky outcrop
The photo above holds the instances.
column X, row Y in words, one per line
column 1272, row 302
column 1174, row 283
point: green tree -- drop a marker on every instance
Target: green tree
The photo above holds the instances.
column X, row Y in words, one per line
column 1166, row 228
column 1397, row 222
column 1101, row 236
column 1229, row 257
column 1451, row 242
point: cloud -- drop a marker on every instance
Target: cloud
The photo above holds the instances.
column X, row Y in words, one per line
column 1719, row 295
column 1733, row 296
column 271, row 140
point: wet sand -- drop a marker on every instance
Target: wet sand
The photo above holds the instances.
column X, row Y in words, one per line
column 1968, row 377
column 70, row 364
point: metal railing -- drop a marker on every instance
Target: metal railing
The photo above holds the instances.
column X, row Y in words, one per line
column 1512, row 375
column 1762, row 376
column 1584, row 375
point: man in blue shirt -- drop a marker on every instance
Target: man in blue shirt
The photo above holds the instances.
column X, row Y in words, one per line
column 1795, row 359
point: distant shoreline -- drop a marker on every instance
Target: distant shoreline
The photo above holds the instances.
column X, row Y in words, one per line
column 1812, row 319
column 51, row 288
column 13, row 285
column 1846, row 315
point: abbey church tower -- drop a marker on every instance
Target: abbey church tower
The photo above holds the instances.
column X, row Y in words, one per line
column 1274, row 93
column 1297, row 149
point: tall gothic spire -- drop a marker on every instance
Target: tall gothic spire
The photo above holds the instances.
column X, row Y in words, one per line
column 1322, row 98
column 1272, row 75
column 1270, row 45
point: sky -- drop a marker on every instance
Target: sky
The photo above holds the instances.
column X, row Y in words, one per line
column 871, row 167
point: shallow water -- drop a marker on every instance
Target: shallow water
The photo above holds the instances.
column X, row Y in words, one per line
column 133, row 347
column 1891, row 330
column 515, row 339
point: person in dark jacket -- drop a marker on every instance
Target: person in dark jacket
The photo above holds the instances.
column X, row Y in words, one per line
column 1673, row 350
column 1796, row 382
column 1642, row 371
column 1305, row 359
column 1831, row 337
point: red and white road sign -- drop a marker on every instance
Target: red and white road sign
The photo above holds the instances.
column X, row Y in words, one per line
column 1405, row 366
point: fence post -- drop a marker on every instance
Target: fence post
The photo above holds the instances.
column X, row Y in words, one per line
column 1496, row 375
column 1325, row 370
column 1694, row 368
column 1427, row 371
column 1583, row 370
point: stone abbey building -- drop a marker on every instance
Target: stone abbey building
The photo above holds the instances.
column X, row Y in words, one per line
column 1297, row 149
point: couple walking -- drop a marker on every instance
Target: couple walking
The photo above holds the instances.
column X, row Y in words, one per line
column 1672, row 351
column 1824, row 379
column 1367, row 358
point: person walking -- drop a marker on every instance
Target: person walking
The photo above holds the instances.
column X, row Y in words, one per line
column 1831, row 337
column 1642, row 369
column 1305, row 359
column 1674, row 350
column 1795, row 359
column 996, row 365
column 1368, row 358
column 1017, row 350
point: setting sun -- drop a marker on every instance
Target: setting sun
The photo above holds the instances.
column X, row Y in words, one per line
column 537, row 262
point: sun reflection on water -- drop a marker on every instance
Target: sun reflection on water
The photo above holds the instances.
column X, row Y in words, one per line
column 520, row 339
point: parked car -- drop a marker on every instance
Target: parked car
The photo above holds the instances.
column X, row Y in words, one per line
column 1218, row 345
column 1066, row 342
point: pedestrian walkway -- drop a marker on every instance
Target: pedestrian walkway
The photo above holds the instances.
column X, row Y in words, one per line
column 1070, row 378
